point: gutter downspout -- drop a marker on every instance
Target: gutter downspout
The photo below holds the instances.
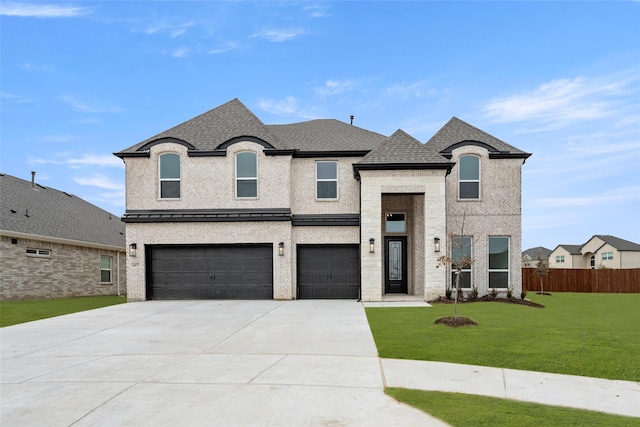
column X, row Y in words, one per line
column 118, row 274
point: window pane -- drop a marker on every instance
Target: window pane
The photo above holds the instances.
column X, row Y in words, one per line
column 327, row 190
column 499, row 279
column 105, row 262
column 465, row 279
column 469, row 190
column 246, row 165
column 469, row 168
column 395, row 223
column 170, row 189
column 169, row 166
column 498, row 253
column 105, row 276
column 327, row 170
column 460, row 248
column 247, row 188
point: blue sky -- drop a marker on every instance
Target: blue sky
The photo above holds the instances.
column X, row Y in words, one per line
column 83, row 79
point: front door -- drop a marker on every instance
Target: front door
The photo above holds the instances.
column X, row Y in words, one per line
column 395, row 256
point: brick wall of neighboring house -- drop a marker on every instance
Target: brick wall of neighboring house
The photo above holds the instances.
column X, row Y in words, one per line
column 68, row 270
column 496, row 213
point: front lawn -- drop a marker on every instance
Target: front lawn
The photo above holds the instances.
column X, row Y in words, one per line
column 595, row 335
column 13, row 312
column 464, row 410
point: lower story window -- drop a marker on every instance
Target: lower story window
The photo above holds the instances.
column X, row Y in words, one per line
column 105, row 269
column 461, row 257
column 499, row 262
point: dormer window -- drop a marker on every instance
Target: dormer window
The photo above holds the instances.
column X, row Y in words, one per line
column 246, row 175
column 469, row 177
column 169, row 176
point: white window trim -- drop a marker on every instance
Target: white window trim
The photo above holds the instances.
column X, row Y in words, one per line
column 500, row 270
column 161, row 180
column 559, row 259
column 39, row 253
column 110, row 269
column 246, row 178
column 609, row 256
column 460, row 180
column 321, row 199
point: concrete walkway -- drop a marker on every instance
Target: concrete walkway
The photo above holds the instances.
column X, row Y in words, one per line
column 240, row 363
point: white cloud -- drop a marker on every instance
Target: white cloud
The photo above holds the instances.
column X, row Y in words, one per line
column 277, row 36
column 85, row 107
column 172, row 30
column 101, row 160
column 32, row 10
column 283, row 107
column 564, row 100
column 100, row 181
column 228, row 46
column 317, row 11
column 181, row 52
column 335, row 87
column 55, row 138
column 617, row 195
column 418, row 89
column 19, row 99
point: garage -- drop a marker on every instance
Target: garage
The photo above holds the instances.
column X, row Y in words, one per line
column 210, row 272
column 328, row 271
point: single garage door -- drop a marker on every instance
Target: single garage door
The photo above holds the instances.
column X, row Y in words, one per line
column 210, row 272
column 328, row 271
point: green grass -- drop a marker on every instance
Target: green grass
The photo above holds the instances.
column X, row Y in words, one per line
column 595, row 335
column 14, row 312
column 464, row 410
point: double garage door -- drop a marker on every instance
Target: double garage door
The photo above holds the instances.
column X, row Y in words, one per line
column 246, row 271
column 210, row 272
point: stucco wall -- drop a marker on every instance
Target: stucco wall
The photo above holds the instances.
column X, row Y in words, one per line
column 207, row 182
column 373, row 185
column 70, row 271
column 496, row 213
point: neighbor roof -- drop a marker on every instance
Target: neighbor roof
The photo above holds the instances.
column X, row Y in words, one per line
column 537, row 251
column 618, row 243
column 572, row 249
column 42, row 211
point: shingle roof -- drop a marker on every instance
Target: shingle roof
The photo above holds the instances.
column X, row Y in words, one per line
column 403, row 149
column 49, row 212
column 537, row 251
column 618, row 243
column 572, row 249
column 326, row 135
column 456, row 131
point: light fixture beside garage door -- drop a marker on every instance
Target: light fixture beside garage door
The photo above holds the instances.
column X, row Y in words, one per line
column 372, row 246
column 281, row 249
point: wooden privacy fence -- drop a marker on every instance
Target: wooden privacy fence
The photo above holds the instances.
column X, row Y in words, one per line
column 583, row 280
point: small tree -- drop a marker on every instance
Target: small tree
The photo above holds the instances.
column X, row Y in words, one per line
column 458, row 263
column 542, row 270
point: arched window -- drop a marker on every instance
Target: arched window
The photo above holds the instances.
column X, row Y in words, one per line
column 246, row 174
column 169, row 176
column 469, row 177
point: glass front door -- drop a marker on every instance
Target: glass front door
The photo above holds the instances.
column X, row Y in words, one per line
column 396, row 264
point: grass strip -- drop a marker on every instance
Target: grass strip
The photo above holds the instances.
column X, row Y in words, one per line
column 465, row 410
column 14, row 312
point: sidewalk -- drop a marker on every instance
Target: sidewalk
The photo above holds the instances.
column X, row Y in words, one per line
column 596, row 394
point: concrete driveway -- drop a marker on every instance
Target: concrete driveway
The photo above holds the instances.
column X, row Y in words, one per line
column 196, row 363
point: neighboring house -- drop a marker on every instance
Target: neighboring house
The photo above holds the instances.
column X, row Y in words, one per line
column 224, row 206
column 531, row 256
column 600, row 251
column 56, row 245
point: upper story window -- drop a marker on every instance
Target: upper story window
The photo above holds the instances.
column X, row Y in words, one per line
column 469, row 177
column 395, row 223
column 39, row 252
column 607, row 256
column 499, row 262
column 169, row 176
column 246, row 174
column 327, row 180
column 559, row 259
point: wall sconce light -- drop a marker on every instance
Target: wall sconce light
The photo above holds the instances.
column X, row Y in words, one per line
column 436, row 244
column 372, row 247
column 281, row 249
column 132, row 249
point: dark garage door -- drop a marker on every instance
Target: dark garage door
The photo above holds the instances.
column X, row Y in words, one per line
column 210, row 272
column 328, row 271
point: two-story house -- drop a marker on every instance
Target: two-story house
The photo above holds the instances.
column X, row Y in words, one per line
column 225, row 206
column 600, row 251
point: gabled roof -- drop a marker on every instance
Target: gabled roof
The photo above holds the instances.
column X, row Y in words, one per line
column 572, row 249
column 42, row 211
column 456, row 133
column 534, row 253
column 209, row 130
column 616, row 242
column 403, row 149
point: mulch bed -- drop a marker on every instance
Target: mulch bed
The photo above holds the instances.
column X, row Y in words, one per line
column 489, row 298
column 456, row 321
